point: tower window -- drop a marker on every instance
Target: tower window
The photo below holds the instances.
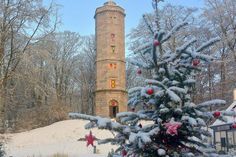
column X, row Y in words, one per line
column 112, row 37
column 113, row 19
column 112, row 65
column 113, row 48
column 113, row 83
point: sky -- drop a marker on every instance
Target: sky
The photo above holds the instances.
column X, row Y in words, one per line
column 78, row 15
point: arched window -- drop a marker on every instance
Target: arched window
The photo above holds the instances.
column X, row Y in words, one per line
column 113, row 37
column 113, row 108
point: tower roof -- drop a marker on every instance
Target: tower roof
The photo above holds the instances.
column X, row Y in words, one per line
column 110, row 5
column 110, row 2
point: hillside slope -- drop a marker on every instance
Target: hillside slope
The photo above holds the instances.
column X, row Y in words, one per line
column 60, row 137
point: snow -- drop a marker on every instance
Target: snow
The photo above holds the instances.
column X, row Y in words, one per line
column 186, row 45
column 190, row 81
column 216, row 102
column 161, row 152
column 143, row 138
column 190, row 120
column 174, row 29
column 135, row 89
column 206, row 44
column 174, row 97
column 60, row 137
column 178, row 90
column 201, row 122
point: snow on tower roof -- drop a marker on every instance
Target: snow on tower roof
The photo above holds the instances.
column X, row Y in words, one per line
column 230, row 119
column 110, row 2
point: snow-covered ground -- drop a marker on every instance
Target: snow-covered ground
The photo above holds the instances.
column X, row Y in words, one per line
column 60, row 137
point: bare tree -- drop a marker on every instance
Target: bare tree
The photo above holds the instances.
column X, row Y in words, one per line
column 22, row 23
column 219, row 17
column 85, row 75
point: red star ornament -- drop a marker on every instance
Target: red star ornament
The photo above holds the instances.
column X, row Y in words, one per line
column 90, row 139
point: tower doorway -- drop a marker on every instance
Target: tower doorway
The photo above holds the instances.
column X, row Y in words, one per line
column 113, row 108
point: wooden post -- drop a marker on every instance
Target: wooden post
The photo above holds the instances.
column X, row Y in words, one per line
column 94, row 150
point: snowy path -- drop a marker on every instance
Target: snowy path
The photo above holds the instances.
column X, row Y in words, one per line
column 59, row 137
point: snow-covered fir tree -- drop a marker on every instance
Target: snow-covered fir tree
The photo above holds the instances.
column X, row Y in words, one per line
column 175, row 125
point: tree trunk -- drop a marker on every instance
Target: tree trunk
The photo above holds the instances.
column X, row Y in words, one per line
column 2, row 108
column 223, row 78
column 2, row 91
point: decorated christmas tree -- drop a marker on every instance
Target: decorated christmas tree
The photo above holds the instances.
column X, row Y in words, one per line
column 175, row 125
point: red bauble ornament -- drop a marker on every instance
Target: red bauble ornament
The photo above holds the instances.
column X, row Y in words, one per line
column 139, row 71
column 156, row 43
column 123, row 153
column 217, row 114
column 233, row 126
column 150, row 91
column 132, row 109
column 196, row 62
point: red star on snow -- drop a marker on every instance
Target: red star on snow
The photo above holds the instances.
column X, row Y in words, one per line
column 90, row 139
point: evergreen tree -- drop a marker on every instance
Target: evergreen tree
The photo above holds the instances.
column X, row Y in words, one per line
column 177, row 126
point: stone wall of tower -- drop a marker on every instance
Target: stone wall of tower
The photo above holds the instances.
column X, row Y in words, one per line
column 110, row 61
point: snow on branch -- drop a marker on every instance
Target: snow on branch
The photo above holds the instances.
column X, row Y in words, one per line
column 143, row 48
column 186, row 45
column 147, row 24
column 190, row 120
column 143, row 138
column 174, row 30
column 161, row 34
column 208, row 44
column 141, row 63
column 178, row 90
column 135, row 89
column 174, row 97
column 196, row 54
column 155, row 82
column 82, row 116
column 228, row 113
column 108, row 140
column 190, row 81
column 102, row 123
column 216, row 102
column 125, row 117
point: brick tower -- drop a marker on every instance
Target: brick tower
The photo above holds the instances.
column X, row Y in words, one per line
column 110, row 94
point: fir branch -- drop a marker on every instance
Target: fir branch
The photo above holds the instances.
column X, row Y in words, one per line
column 208, row 44
column 216, row 102
column 174, row 30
